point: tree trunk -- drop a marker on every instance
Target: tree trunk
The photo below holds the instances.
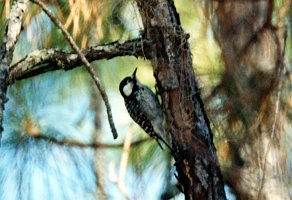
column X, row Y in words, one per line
column 194, row 152
column 10, row 38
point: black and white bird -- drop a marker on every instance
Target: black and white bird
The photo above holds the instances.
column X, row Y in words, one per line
column 143, row 107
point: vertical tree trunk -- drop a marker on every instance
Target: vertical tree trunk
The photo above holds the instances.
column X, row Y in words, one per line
column 7, row 48
column 196, row 160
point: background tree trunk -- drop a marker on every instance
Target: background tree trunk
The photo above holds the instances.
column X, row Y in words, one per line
column 253, row 51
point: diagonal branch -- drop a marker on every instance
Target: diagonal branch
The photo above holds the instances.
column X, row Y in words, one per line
column 13, row 30
column 84, row 61
column 45, row 60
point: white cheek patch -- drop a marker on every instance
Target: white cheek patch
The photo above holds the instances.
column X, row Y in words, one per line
column 128, row 89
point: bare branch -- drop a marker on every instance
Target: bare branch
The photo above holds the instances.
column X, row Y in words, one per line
column 13, row 30
column 45, row 60
column 94, row 145
column 84, row 61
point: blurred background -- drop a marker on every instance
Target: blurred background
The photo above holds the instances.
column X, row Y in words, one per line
column 242, row 58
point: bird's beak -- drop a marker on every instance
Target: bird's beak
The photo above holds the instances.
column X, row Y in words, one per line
column 134, row 74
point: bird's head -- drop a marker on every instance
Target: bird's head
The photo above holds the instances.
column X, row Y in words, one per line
column 128, row 84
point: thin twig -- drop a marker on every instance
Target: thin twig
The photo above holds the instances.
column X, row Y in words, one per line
column 94, row 145
column 85, row 61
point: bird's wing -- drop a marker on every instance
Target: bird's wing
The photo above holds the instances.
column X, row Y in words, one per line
column 150, row 104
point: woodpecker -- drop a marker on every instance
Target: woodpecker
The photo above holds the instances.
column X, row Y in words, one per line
column 143, row 107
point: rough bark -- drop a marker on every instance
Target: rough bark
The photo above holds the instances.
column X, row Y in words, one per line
column 11, row 34
column 196, row 160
